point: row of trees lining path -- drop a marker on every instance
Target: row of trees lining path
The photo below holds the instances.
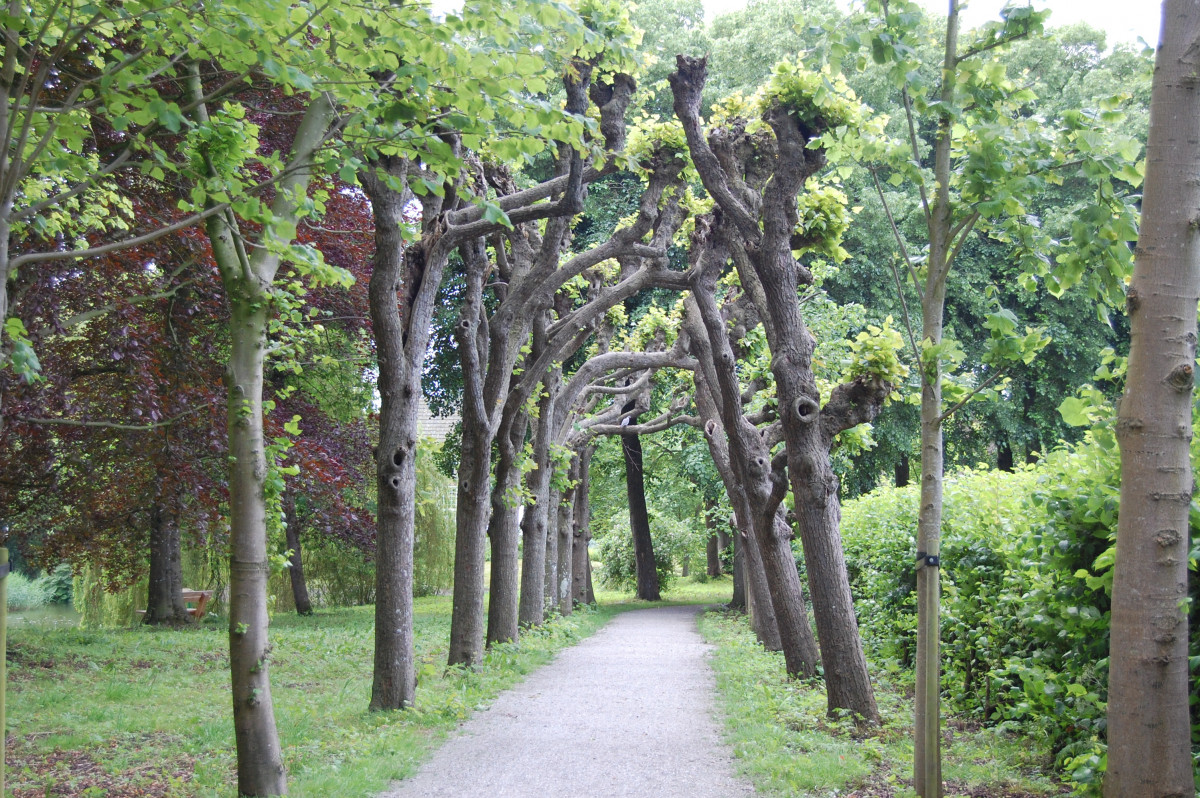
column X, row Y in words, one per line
column 172, row 126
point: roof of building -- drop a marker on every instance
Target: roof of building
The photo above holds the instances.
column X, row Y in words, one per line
column 431, row 426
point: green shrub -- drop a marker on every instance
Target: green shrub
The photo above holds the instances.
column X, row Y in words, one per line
column 1026, row 566
column 57, row 585
column 618, row 565
column 25, row 593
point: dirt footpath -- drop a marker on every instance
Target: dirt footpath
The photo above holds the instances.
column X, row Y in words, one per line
column 627, row 712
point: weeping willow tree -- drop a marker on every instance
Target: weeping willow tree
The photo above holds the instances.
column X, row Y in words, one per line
column 433, row 547
column 99, row 607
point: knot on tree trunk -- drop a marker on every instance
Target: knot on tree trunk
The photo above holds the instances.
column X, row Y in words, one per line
column 1182, row 377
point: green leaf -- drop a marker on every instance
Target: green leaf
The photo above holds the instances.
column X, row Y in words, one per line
column 494, row 214
column 1075, row 412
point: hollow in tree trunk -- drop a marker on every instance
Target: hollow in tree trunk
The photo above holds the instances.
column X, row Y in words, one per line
column 393, row 684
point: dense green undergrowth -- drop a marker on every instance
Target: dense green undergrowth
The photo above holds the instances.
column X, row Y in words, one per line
column 146, row 712
column 1027, row 562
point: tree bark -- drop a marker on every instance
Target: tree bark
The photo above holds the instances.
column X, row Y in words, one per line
column 581, row 573
column 523, row 272
column 393, row 683
column 738, row 600
column 639, row 519
column 164, row 604
column 710, row 554
column 565, row 532
column 259, row 755
column 486, row 358
column 247, row 280
column 758, row 207
column 1148, row 723
column 743, row 460
column 808, row 443
column 760, row 605
column 550, row 572
column 296, row 569
column 712, row 547
column 535, row 522
column 504, row 534
column 470, row 542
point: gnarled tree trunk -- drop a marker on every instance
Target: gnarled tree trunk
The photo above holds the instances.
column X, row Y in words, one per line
column 581, row 566
column 164, row 604
column 755, row 182
column 393, row 684
column 504, row 534
column 535, row 522
column 565, row 534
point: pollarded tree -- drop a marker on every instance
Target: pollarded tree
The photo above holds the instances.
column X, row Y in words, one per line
column 754, row 178
column 641, row 266
column 1148, row 723
column 530, row 275
column 481, row 69
column 491, row 333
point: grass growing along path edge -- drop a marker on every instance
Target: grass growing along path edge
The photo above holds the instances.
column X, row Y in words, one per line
column 145, row 712
column 787, row 745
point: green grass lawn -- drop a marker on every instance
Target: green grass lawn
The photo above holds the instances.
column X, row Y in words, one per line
column 134, row 712
column 146, row 712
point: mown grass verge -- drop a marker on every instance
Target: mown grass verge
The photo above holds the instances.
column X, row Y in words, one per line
column 787, row 745
column 142, row 712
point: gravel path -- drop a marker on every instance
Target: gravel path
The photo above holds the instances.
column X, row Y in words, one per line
column 627, row 712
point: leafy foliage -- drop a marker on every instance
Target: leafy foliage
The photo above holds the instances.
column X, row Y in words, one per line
column 1027, row 565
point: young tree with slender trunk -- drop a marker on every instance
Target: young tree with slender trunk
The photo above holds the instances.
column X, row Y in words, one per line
column 1148, row 695
column 977, row 124
column 248, row 275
